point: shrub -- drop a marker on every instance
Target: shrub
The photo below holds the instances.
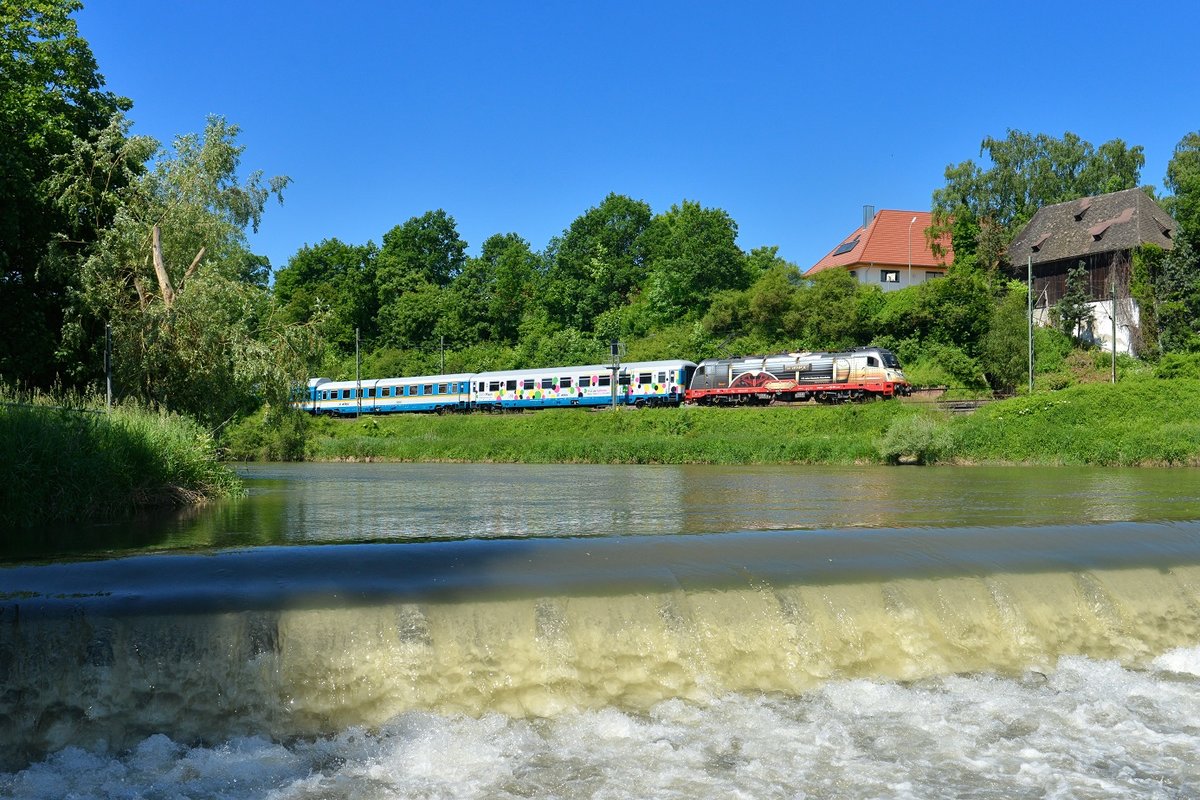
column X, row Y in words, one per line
column 916, row 439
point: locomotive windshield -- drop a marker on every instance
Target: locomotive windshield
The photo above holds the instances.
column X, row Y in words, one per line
column 889, row 360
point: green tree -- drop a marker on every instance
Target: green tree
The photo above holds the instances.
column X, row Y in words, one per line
column 425, row 249
column 51, row 95
column 692, row 253
column 1183, row 180
column 335, row 279
column 598, row 263
column 1004, row 348
column 1073, row 310
column 493, row 291
column 190, row 332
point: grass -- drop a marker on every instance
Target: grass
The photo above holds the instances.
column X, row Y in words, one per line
column 79, row 463
column 1142, row 421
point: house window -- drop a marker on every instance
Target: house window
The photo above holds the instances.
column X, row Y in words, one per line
column 931, row 275
column 854, row 273
column 889, row 276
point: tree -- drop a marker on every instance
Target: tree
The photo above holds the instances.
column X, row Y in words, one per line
column 51, row 95
column 1073, row 310
column 335, row 278
column 598, row 263
column 692, row 253
column 493, row 290
column 983, row 208
column 190, row 332
column 1183, row 179
column 425, row 249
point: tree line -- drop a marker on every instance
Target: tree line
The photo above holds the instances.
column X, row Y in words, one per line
column 101, row 228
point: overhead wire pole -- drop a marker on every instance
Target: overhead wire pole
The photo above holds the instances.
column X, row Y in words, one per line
column 1113, row 288
column 614, row 349
column 1029, row 301
column 108, row 366
column 357, row 375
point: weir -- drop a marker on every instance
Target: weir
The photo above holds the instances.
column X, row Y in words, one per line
column 304, row 641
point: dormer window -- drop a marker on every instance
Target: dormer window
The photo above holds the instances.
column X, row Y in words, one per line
column 1082, row 208
column 1041, row 240
column 1098, row 231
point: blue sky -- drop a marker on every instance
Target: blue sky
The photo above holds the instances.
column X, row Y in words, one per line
column 518, row 117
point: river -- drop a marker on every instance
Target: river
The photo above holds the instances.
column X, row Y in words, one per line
column 385, row 630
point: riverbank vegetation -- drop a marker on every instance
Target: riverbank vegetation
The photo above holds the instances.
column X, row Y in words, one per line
column 66, row 464
column 119, row 233
column 1139, row 421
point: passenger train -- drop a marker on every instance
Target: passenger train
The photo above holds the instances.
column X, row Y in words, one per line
column 864, row 373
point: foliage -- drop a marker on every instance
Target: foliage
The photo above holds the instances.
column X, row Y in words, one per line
column 1074, row 312
column 1183, row 180
column 190, row 332
column 334, row 281
column 916, row 439
column 692, row 254
column 1004, row 348
column 51, row 95
column 598, row 263
column 77, row 463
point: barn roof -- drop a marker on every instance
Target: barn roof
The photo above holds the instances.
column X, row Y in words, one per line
column 1100, row 224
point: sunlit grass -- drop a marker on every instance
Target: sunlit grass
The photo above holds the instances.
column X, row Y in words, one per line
column 80, row 463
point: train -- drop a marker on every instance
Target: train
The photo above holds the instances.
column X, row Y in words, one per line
column 853, row 375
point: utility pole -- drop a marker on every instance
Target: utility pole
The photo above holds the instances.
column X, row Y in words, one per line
column 107, row 367
column 1029, row 300
column 614, row 350
column 1113, row 273
column 443, row 346
column 357, row 375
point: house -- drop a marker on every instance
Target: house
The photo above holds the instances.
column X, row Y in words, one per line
column 889, row 250
column 1101, row 232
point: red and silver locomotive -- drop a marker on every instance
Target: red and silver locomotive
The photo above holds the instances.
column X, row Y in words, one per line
column 859, row 374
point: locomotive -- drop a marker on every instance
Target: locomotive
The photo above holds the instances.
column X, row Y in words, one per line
column 860, row 374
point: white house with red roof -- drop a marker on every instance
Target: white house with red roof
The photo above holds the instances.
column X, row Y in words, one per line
column 889, row 250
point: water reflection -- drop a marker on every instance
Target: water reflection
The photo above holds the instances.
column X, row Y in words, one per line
column 331, row 503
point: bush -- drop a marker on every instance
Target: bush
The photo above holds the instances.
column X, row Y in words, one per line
column 916, row 439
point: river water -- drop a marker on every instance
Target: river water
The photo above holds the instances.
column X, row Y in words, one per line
column 380, row 630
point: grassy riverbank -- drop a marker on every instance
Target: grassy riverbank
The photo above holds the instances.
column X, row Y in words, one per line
column 1140, row 422
column 75, row 464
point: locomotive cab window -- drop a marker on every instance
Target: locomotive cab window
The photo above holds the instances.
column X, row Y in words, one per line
column 872, row 361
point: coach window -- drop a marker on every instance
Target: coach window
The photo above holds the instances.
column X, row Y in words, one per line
column 527, row 383
column 547, row 383
column 494, row 386
column 606, row 380
column 565, row 383
column 442, row 388
column 510, row 385
column 662, row 377
column 428, row 388
column 889, row 276
column 370, row 393
column 643, row 377
column 345, row 394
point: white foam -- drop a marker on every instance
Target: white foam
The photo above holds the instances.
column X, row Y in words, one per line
column 1088, row 728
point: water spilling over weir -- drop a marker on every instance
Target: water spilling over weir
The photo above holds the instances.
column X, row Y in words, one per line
column 309, row 641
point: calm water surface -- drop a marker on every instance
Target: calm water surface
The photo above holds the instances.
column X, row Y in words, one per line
column 380, row 630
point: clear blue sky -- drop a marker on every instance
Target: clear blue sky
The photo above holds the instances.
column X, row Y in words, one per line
column 519, row 116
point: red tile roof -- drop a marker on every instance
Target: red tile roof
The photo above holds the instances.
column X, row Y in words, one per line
column 886, row 242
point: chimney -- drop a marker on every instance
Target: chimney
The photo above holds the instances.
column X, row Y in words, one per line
column 868, row 215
